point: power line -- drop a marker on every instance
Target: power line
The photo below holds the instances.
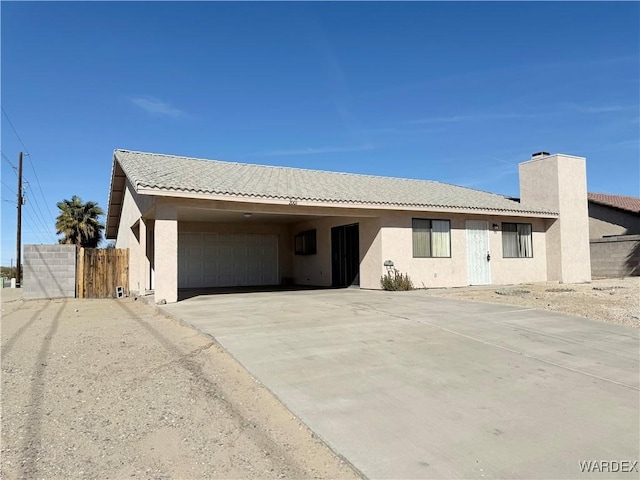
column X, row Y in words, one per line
column 6, row 159
column 46, row 204
column 8, row 188
column 34, row 230
column 34, row 199
column 15, row 131
column 41, row 218
column 38, row 218
column 31, row 222
column 34, row 227
column 28, row 186
column 35, row 233
column 35, row 216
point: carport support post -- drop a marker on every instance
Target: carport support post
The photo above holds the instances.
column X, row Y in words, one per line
column 166, row 253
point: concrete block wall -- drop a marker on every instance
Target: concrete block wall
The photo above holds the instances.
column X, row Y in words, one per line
column 49, row 271
column 615, row 256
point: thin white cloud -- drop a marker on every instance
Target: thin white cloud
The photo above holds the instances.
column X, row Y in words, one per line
column 156, row 106
column 475, row 117
column 594, row 108
column 488, row 178
column 338, row 86
column 312, row 151
column 492, row 73
column 632, row 142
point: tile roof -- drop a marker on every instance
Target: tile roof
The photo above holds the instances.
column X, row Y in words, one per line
column 167, row 173
column 631, row 204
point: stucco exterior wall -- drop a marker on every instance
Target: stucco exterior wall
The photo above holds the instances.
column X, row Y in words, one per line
column 166, row 252
column 559, row 183
column 519, row 270
column 133, row 207
column 135, row 239
column 390, row 238
column 371, row 259
column 574, row 219
column 397, row 245
column 316, row 269
column 607, row 221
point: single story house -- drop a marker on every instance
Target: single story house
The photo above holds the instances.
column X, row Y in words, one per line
column 611, row 215
column 192, row 223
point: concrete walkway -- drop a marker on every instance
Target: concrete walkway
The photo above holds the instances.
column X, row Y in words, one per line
column 405, row 385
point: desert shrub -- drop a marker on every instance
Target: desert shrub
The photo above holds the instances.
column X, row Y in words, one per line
column 395, row 281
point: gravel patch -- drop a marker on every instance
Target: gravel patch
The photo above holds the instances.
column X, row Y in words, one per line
column 111, row 389
column 513, row 292
column 609, row 300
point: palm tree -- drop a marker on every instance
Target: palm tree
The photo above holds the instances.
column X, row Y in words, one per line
column 79, row 222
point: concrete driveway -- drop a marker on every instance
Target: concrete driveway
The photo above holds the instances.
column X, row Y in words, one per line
column 405, row 385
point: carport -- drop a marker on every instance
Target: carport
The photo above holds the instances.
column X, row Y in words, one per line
column 242, row 245
column 187, row 239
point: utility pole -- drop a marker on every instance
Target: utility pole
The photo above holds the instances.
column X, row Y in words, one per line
column 19, row 234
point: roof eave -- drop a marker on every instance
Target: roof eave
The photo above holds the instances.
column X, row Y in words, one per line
column 116, row 198
column 615, row 207
column 306, row 202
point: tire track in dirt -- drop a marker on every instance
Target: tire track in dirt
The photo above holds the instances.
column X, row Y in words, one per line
column 213, row 390
column 33, row 438
column 8, row 346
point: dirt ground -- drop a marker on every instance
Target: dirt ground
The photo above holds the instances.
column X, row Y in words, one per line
column 110, row 389
column 608, row 300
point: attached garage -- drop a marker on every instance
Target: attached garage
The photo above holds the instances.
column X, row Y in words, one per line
column 227, row 260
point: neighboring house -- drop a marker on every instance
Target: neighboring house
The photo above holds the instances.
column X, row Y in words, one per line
column 614, row 232
column 193, row 223
column 613, row 215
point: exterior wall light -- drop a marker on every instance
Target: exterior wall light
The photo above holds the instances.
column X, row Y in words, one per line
column 246, row 215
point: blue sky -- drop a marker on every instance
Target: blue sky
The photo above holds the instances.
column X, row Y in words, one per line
column 455, row 92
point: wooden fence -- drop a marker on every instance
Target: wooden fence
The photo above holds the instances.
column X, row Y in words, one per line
column 100, row 271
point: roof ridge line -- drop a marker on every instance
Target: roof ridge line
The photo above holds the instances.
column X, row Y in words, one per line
column 313, row 170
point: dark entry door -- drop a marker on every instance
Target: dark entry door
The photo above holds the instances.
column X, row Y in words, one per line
column 345, row 255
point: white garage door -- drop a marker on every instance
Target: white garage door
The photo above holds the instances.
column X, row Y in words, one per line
column 227, row 260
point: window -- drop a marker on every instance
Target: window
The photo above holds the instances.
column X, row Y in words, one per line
column 305, row 243
column 516, row 240
column 431, row 238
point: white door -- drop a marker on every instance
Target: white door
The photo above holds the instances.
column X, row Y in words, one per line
column 227, row 260
column 478, row 259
